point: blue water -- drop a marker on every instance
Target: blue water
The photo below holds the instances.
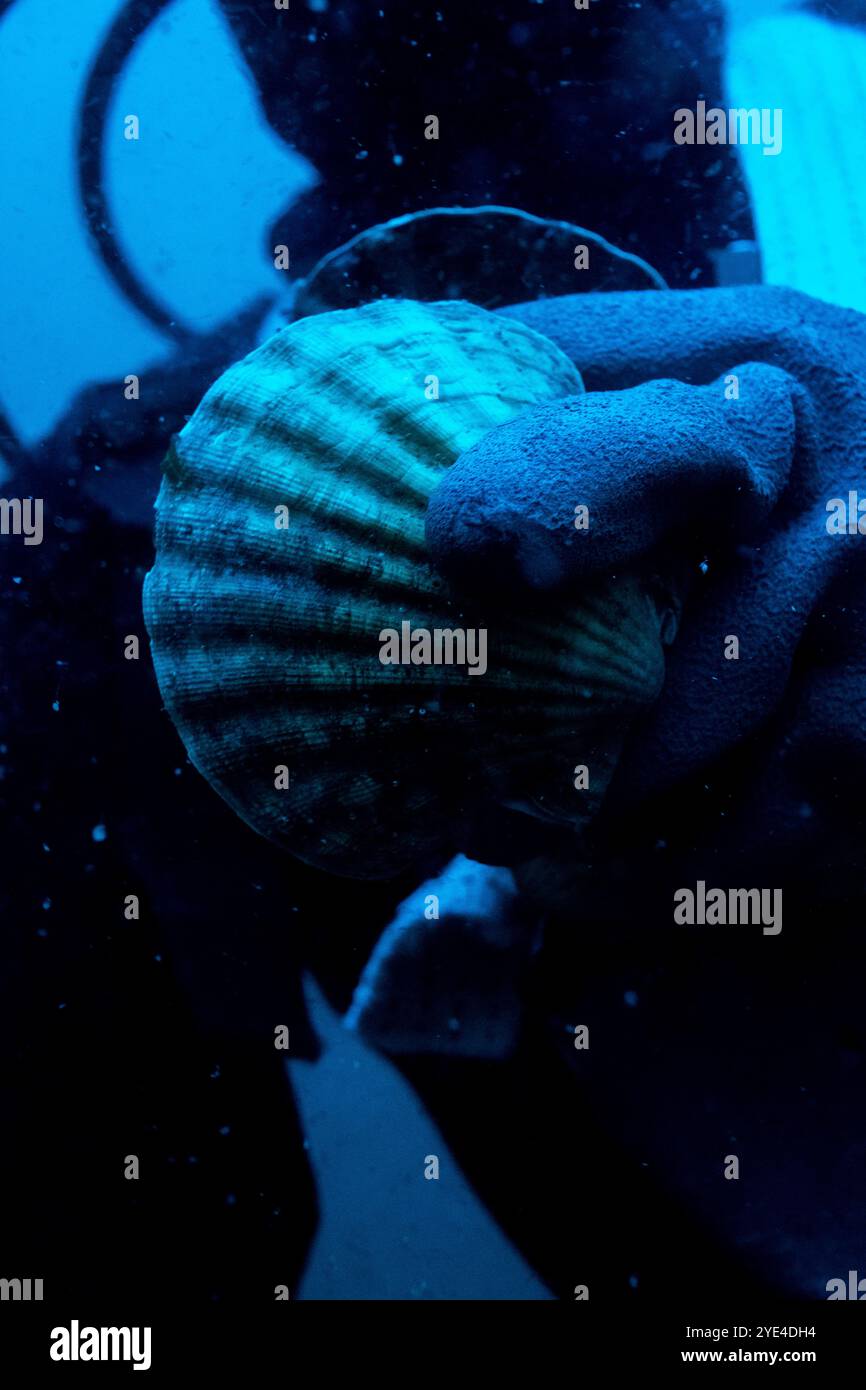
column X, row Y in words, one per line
column 192, row 197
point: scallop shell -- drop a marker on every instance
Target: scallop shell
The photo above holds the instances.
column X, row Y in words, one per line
column 492, row 255
column 266, row 639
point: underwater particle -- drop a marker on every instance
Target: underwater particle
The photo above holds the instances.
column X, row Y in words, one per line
column 42, row 931
column 630, row 998
column 806, row 811
column 215, row 1073
column 362, row 154
column 99, row 834
column 16, row 579
column 224, row 1130
column 632, row 1281
column 62, row 1006
column 398, row 160
column 55, row 705
column 704, row 566
column 46, row 904
column 231, row 1199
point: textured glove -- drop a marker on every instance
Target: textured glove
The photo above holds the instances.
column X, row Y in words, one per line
column 725, row 428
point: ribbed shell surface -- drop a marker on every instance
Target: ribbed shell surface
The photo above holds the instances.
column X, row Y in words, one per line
column 290, row 534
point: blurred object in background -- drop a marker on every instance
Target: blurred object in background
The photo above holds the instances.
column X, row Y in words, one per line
column 809, row 201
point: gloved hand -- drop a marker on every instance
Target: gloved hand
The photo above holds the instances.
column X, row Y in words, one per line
column 446, row 976
column 717, row 427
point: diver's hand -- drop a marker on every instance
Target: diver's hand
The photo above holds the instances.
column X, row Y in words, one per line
column 726, row 419
column 445, row 977
column 731, row 397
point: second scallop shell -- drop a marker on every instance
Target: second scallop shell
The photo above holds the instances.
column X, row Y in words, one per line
column 290, row 537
